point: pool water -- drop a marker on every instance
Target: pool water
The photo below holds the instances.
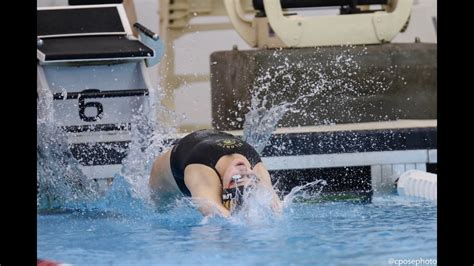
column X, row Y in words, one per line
column 128, row 232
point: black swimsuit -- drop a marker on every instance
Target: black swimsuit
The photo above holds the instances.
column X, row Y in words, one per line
column 206, row 147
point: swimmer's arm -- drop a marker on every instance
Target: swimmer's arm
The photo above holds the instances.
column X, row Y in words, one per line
column 206, row 189
column 266, row 181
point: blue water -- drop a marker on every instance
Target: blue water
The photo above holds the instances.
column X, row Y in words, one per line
column 128, row 232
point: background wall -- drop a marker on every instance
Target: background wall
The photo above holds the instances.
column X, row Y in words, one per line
column 192, row 51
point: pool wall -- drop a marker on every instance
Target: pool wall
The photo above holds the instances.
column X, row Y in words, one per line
column 361, row 83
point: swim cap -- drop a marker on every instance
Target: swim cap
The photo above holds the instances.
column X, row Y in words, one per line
column 232, row 198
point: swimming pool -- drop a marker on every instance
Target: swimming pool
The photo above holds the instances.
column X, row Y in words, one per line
column 123, row 231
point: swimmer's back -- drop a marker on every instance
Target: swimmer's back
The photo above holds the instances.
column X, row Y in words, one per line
column 206, row 147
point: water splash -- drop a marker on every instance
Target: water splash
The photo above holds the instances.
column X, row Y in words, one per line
column 306, row 192
column 256, row 209
column 121, row 199
column 152, row 129
column 60, row 178
column 260, row 123
column 338, row 81
column 60, row 181
column 343, row 82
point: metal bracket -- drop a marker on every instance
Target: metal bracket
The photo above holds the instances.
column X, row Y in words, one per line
column 152, row 40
